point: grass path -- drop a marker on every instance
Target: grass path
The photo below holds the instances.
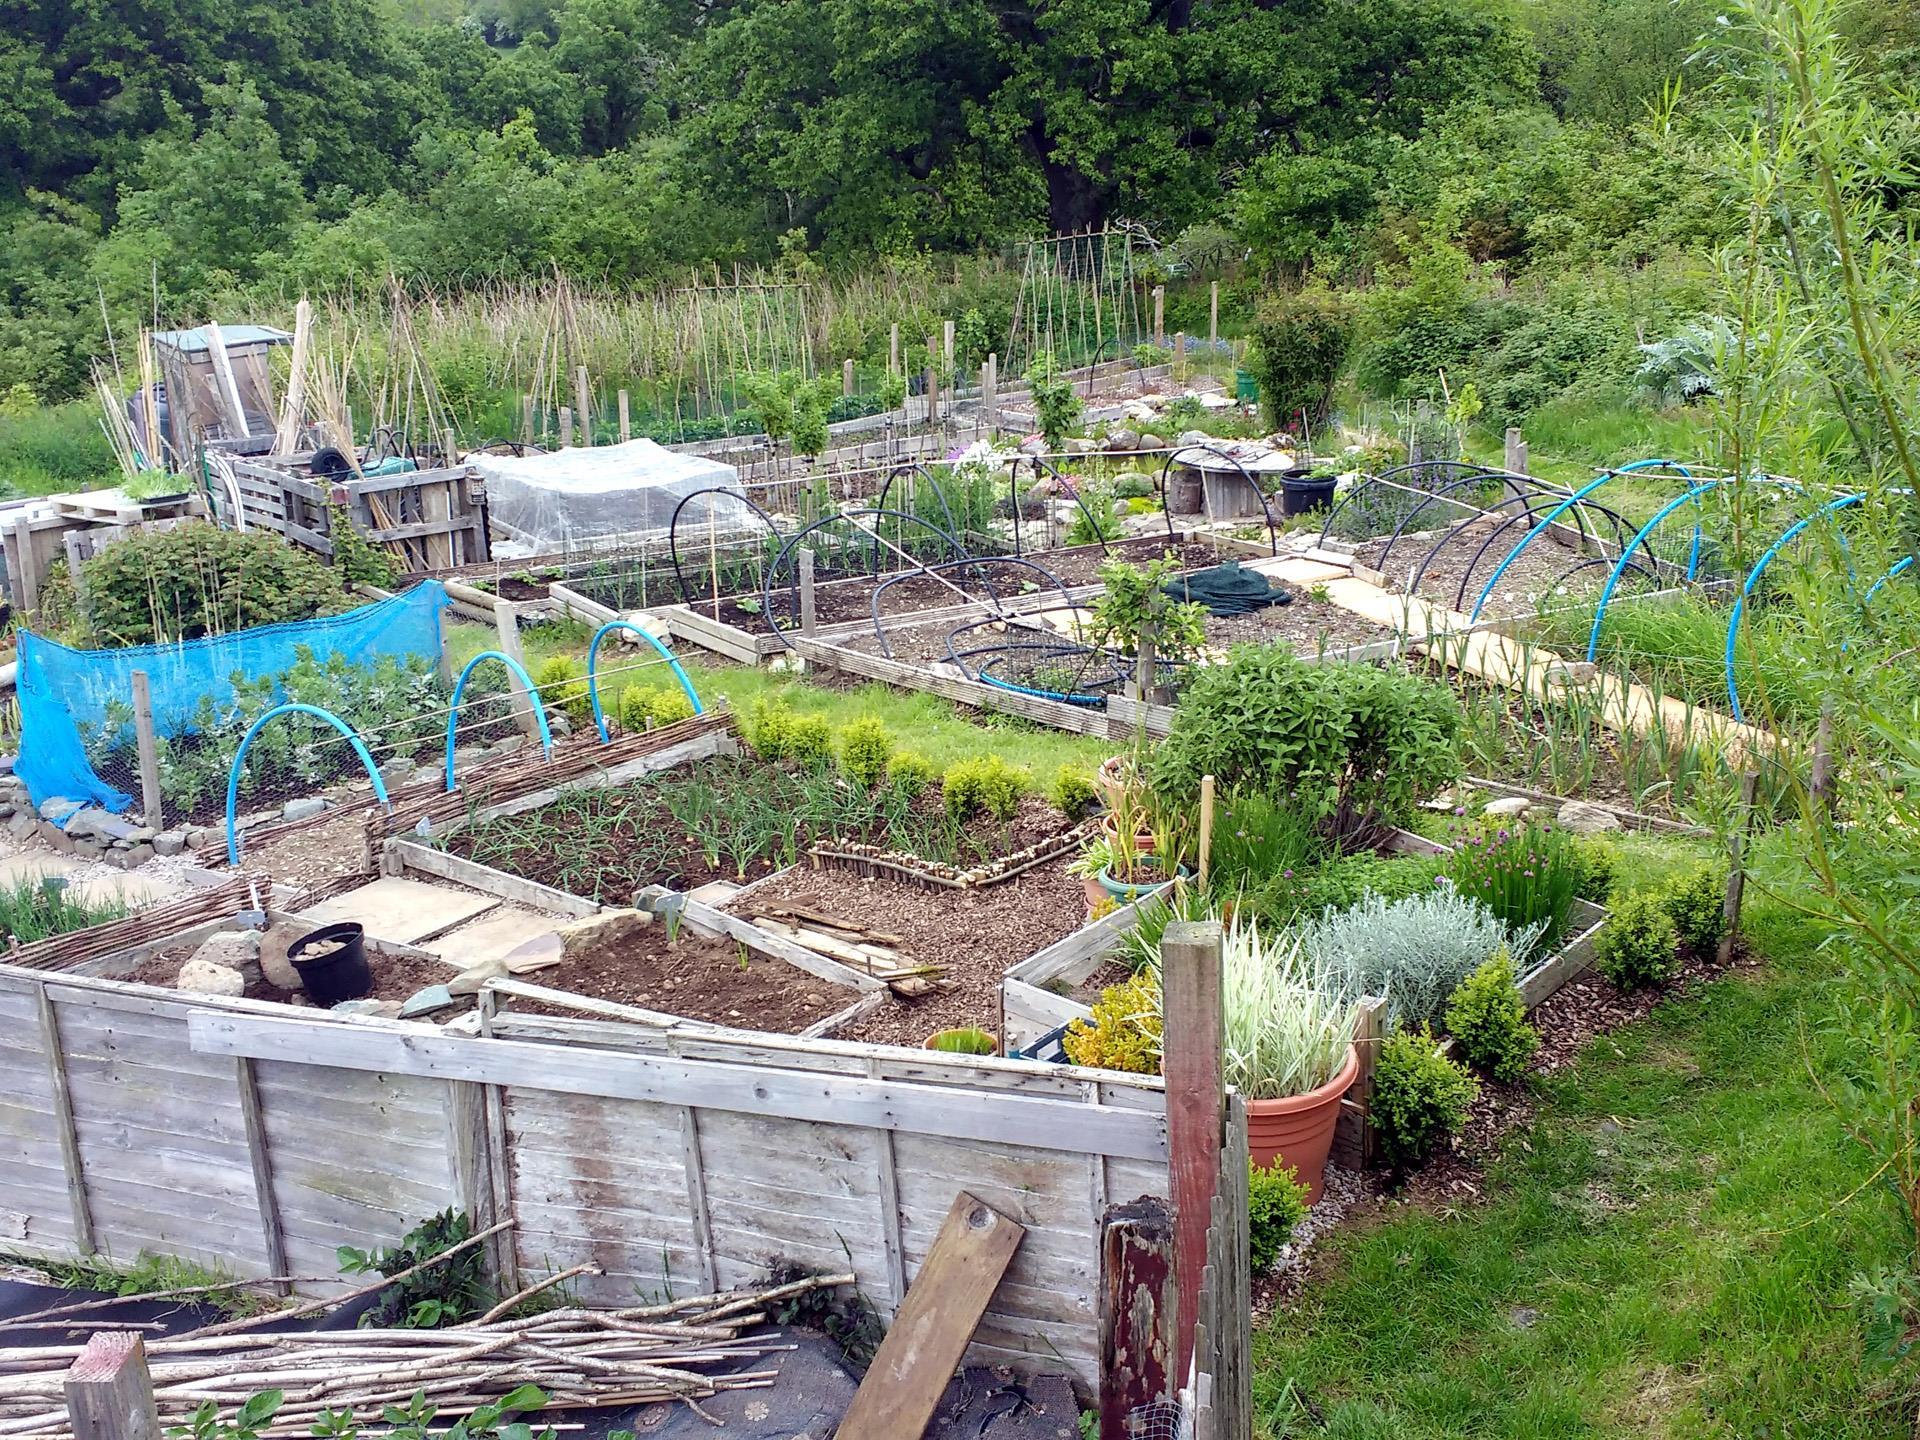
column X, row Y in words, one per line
column 1660, row 1254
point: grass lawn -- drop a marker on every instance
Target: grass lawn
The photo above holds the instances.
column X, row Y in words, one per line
column 1665, row 1251
column 938, row 729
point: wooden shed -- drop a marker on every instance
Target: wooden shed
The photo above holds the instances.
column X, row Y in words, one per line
column 218, row 386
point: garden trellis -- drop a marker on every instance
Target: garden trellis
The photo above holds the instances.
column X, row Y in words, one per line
column 1079, row 299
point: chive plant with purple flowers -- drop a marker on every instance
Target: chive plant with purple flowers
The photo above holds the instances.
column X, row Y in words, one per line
column 1526, row 874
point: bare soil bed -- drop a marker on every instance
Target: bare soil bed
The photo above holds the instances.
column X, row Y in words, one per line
column 714, row 979
column 1532, row 583
column 976, row 934
column 837, row 602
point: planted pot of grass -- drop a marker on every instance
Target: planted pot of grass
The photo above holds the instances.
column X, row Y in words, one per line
column 1289, row 1050
column 967, row 1040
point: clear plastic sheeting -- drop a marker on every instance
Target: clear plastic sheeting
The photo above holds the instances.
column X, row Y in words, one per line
column 577, row 497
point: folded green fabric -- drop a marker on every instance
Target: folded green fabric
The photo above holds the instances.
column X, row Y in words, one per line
column 1228, row 589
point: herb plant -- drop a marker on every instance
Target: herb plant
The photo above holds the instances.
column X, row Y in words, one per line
column 986, row 783
column 1124, row 1031
column 1526, row 875
column 1411, row 952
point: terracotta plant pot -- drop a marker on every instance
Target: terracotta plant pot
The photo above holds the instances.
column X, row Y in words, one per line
column 1297, row 1130
column 1095, row 892
column 1142, row 839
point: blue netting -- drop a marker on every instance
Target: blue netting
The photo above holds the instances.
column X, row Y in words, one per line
column 62, row 689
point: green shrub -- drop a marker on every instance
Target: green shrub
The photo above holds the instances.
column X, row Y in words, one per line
column 768, row 729
column 643, row 707
column 1056, row 404
column 1072, row 792
column 1488, row 1021
column 810, row 738
column 1420, row 1098
column 866, row 745
column 1639, row 944
column 1299, row 350
column 1417, row 322
column 1124, row 1031
column 561, row 681
column 1133, row 485
column 1340, row 883
column 1093, row 518
column 56, row 447
column 1276, row 1202
column 1595, row 865
column 1696, row 901
column 910, row 772
column 1356, row 747
column 984, row 783
column 194, row 580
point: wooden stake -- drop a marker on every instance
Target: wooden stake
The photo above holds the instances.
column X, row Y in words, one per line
column 526, row 418
column 1179, row 354
column 934, row 1324
column 109, row 1391
column 1193, row 1065
column 1213, row 315
column 1159, row 315
column 566, row 427
column 1820, row 782
column 1737, row 865
column 147, row 748
column 1139, row 1303
column 227, row 390
column 1206, row 825
column 893, row 350
column 506, row 627
column 581, row 394
column 803, row 558
column 946, row 342
column 626, row 419
column 846, row 377
column 293, row 404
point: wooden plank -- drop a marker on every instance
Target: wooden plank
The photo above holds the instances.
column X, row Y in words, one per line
column 63, row 1119
column 413, row 855
column 147, row 747
column 1193, row 1063
column 260, row 1159
column 1138, row 1304
column 890, row 1210
column 506, row 1256
column 469, row 1157
column 935, row 1322
column 109, row 1391
column 752, row 1090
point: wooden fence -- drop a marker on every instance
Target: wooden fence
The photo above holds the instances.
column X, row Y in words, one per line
column 428, row 518
column 1222, row 1396
column 241, row 1135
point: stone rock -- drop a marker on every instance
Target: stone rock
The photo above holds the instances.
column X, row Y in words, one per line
column 1584, row 819
column 465, row 755
column 1034, row 445
column 273, row 955
column 1506, row 806
column 6, row 764
column 1079, row 445
column 203, row 977
column 609, row 927
column 384, row 1009
column 57, row 839
column 131, row 858
column 507, row 745
column 22, row 824
column 1542, row 812
column 538, row 953
column 199, row 837
column 469, row 981
column 6, row 809
column 1123, row 439
column 397, row 771
column 558, row 723
column 169, row 843
column 1195, row 437
column 58, row 809
column 425, row 1002
column 138, row 835
column 237, row 950
column 304, row 808
column 1150, row 441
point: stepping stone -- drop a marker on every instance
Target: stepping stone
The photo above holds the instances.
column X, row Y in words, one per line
column 498, row 933
column 132, row 889
column 714, row 893
column 40, row 865
column 403, row 911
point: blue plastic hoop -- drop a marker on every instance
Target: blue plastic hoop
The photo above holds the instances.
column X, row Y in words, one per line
column 1575, row 498
column 1753, row 578
column 593, row 682
column 533, row 698
column 240, row 755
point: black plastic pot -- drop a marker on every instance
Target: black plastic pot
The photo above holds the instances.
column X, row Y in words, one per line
column 339, row 971
column 1298, row 496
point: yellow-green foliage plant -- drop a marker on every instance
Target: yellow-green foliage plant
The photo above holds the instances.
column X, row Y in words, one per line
column 865, row 747
column 985, row 783
column 1124, row 1033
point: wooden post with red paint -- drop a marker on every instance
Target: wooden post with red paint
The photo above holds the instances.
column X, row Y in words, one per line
column 1138, row 1310
column 1192, row 1050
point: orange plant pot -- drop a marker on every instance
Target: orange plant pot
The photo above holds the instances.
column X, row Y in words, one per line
column 1297, row 1130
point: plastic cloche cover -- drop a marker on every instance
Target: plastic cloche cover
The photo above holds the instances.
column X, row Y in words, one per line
column 576, row 496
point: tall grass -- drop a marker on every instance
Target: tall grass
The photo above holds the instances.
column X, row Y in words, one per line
column 35, row 909
column 53, row 448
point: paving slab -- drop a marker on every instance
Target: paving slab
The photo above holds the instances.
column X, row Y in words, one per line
column 131, row 888
column 40, row 864
column 403, row 911
column 714, row 892
column 497, row 933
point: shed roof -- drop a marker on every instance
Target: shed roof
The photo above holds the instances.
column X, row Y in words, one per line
column 195, row 341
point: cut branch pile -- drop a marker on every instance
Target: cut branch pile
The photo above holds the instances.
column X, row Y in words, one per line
column 853, row 944
column 684, row 1350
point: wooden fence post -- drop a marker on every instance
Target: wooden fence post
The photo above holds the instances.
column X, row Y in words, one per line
column 1213, row 315
column 581, row 396
column 1737, row 865
column 626, row 418
column 946, row 342
column 1193, row 1065
column 1820, row 780
column 846, row 377
column 1159, row 315
column 506, row 625
column 566, row 427
column 109, row 1392
column 803, row 559
column 1179, row 354
column 526, row 418
column 893, row 350
column 147, row 747
column 1138, row 1309
column 990, row 392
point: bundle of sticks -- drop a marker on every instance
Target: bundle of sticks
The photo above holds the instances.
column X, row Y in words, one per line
column 679, row 1350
